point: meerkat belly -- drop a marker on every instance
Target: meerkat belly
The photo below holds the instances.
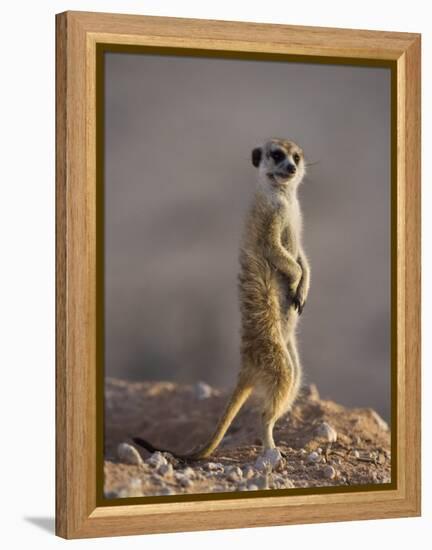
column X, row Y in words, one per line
column 283, row 291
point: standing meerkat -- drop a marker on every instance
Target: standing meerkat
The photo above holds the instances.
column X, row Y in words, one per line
column 273, row 287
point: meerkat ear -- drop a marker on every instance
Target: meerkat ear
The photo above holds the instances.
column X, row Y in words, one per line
column 256, row 156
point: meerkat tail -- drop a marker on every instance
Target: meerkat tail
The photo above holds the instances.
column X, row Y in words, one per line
column 238, row 398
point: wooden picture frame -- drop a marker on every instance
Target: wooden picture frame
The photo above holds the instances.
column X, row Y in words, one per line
column 80, row 36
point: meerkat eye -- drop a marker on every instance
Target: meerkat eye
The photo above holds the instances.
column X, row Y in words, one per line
column 277, row 156
column 296, row 158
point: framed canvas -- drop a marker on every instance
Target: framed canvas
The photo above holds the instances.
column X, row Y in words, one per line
column 233, row 351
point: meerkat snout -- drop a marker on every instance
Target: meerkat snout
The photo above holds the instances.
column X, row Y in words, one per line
column 279, row 160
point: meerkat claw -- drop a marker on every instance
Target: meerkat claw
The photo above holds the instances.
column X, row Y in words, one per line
column 298, row 305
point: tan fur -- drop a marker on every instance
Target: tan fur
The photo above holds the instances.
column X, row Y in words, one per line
column 273, row 287
column 274, row 277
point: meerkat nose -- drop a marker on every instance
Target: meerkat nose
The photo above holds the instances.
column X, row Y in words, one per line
column 291, row 169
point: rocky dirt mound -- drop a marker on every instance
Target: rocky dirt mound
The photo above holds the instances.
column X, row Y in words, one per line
column 321, row 443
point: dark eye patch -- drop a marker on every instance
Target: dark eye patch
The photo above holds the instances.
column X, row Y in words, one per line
column 296, row 158
column 277, row 156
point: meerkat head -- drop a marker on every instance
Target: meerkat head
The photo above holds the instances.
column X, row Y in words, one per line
column 280, row 162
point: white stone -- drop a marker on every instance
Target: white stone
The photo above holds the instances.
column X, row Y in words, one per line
column 248, row 472
column 283, row 482
column 327, row 432
column 128, row 454
column 313, row 457
column 329, row 472
column 380, row 422
column 234, row 474
column 203, row 390
column 157, row 460
column 214, row 467
column 183, row 480
column 262, row 482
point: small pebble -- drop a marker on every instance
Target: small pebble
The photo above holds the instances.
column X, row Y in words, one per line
column 203, row 390
column 283, row 481
column 183, row 480
column 381, row 423
column 252, row 487
column 329, row 472
column 248, row 472
column 188, row 472
column 262, row 482
column 381, row 458
column 214, row 467
column 355, row 454
column 157, row 460
column 234, row 474
column 288, row 484
column 327, row 432
column 166, row 470
column 313, row 457
column 129, row 455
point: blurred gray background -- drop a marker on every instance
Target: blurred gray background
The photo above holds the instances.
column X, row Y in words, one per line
column 179, row 133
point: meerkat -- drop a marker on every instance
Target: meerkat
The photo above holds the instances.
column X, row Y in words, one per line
column 273, row 286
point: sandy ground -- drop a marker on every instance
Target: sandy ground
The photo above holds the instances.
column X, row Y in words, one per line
column 321, row 443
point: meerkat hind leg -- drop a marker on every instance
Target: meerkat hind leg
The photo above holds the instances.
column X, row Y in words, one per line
column 276, row 404
column 267, row 427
